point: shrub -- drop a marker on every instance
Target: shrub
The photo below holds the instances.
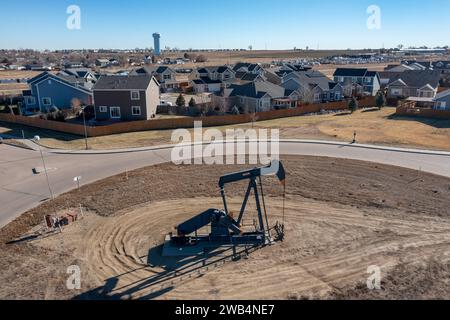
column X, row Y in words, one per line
column 380, row 100
column 353, row 105
column 180, row 101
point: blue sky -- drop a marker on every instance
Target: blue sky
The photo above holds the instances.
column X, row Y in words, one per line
column 271, row 24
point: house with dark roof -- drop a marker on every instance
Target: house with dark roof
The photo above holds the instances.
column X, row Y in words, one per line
column 211, row 79
column 313, row 86
column 206, row 84
column 248, row 68
column 243, row 77
column 83, row 73
column 256, row 96
column 357, row 81
column 413, row 83
column 126, row 98
column 222, row 73
column 165, row 76
column 47, row 90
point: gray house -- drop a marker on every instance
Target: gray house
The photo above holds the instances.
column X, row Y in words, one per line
column 48, row 90
column 357, row 81
column 313, row 86
column 413, row 83
column 256, row 96
column 442, row 100
column 126, row 98
column 165, row 76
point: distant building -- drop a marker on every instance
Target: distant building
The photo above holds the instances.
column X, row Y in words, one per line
column 157, row 50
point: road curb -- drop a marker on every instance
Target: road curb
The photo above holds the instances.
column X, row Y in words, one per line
column 301, row 141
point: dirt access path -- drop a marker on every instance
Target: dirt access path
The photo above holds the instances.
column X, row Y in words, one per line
column 341, row 217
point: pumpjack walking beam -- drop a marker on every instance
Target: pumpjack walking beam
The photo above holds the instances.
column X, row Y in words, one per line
column 275, row 168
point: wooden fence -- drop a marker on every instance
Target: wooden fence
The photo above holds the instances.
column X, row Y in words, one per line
column 422, row 112
column 162, row 124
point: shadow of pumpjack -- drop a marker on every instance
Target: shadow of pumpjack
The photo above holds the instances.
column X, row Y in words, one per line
column 175, row 271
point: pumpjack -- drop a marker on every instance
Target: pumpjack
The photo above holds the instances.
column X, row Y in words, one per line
column 225, row 230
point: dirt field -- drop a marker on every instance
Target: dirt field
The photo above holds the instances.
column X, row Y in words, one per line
column 15, row 88
column 374, row 127
column 341, row 217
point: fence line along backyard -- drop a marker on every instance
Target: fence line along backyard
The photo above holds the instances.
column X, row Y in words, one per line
column 162, row 124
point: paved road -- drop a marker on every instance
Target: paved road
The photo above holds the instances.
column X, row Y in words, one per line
column 21, row 190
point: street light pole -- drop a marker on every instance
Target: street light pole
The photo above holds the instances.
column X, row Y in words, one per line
column 85, row 129
column 37, row 138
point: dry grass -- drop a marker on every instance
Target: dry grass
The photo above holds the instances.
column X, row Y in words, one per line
column 373, row 127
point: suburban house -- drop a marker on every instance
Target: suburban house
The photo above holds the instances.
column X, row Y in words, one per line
column 222, row 73
column 48, row 90
column 165, row 76
column 243, row 77
column 356, row 81
column 126, row 98
column 211, row 79
column 248, row 68
column 442, row 100
column 313, row 86
column 413, row 83
column 443, row 66
column 102, row 63
column 255, row 97
column 87, row 74
column 205, row 84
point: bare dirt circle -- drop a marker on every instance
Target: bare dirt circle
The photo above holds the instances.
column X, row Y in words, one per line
column 341, row 217
column 327, row 246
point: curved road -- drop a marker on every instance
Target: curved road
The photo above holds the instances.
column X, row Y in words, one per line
column 21, row 190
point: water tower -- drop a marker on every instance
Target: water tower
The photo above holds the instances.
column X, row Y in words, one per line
column 157, row 47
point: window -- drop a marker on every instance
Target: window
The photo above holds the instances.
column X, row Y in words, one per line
column 46, row 101
column 368, row 80
column 337, row 96
column 135, row 95
column 167, row 77
column 241, row 99
column 441, row 105
column 30, row 100
column 396, row 92
column 316, row 96
column 115, row 112
column 103, row 109
column 136, row 110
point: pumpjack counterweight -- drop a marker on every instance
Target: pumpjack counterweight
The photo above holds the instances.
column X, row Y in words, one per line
column 225, row 230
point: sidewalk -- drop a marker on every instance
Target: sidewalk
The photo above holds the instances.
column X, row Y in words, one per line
column 34, row 146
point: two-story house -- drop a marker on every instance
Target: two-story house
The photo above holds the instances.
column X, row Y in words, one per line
column 313, row 86
column 47, row 90
column 253, row 68
column 165, row 76
column 357, row 81
column 126, row 98
column 211, row 79
column 413, row 83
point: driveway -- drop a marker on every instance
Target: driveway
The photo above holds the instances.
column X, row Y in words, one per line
column 22, row 190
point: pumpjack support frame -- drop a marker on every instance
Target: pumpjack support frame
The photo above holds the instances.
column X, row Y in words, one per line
column 225, row 230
